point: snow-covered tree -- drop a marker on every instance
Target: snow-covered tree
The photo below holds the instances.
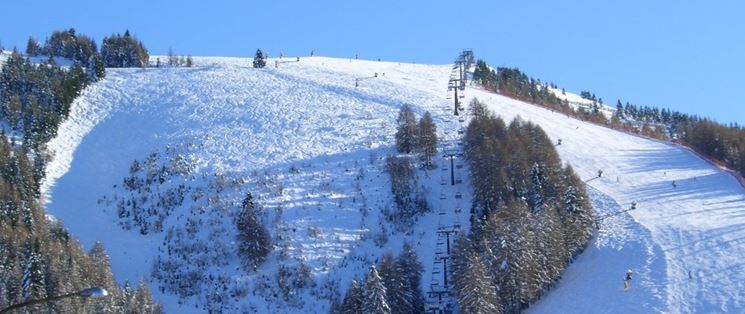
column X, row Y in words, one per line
column 474, row 289
column 254, row 242
column 407, row 295
column 353, row 300
column 374, row 294
column 427, row 138
column 536, row 192
column 33, row 284
column 406, row 130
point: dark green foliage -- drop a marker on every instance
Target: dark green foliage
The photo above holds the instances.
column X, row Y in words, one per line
column 426, row 139
column 259, row 59
column 32, row 47
column 38, row 257
column 69, row 44
column 352, row 301
column 404, row 294
column 391, row 287
column 474, row 289
column 374, row 294
column 406, row 130
column 97, row 68
column 416, row 137
column 34, row 99
column 254, row 243
column 124, row 51
column 410, row 200
column 529, row 215
column 723, row 143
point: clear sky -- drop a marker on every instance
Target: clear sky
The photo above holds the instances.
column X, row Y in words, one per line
column 685, row 55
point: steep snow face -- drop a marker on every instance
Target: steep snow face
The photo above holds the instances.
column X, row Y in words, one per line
column 301, row 137
column 685, row 241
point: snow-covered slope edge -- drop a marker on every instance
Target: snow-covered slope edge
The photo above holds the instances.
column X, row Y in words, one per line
column 302, row 138
column 697, row 222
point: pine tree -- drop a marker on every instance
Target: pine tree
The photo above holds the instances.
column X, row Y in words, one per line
column 374, row 301
column 576, row 214
column 353, row 300
column 406, row 130
column 99, row 66
column 474, row 289
column 33, row 283
column 101, row 275
column 254, row 243
column 537, row 191
column 427, row 139
column 259, row 59
column 32, row 47
column 408, row 297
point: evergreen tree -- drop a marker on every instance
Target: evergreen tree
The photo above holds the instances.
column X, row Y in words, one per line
column 407, row 295
column 259, row 59
column 427, row 139
column 32, row 47
column 254, row 242
column 353, row 300
column 537, row 192
column 406, row 130
column 96, row 68
column 33, row 283
column 374, row 293
column 474, row 289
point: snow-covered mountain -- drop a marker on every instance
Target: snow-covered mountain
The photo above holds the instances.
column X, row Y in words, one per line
column 309, row 145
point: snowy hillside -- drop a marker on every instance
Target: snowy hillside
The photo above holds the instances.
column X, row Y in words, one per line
column 301, row 138
column 309, row 145
column 689, row 218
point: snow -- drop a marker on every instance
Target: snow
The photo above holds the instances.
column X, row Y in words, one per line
column 257, row 124
column 696, row 226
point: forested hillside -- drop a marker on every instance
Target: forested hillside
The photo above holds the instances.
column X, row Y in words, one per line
column 39, row 258
column 722, row 142
column 530, row 216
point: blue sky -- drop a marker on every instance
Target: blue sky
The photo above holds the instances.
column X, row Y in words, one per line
column 685, row 55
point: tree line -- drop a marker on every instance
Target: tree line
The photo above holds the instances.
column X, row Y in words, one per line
column 722, row 142
column 391, row 287
column 412, row 137
column 117, row 51
column 530, row 215
column 38, row 257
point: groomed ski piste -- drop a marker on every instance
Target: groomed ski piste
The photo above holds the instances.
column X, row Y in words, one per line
column 309, row 146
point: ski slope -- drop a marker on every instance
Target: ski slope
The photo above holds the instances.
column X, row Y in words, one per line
column 305, row 141
column 697, row 226
column 309, row 146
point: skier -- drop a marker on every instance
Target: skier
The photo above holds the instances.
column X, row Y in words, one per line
column 600, row 173
column 627, row 280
